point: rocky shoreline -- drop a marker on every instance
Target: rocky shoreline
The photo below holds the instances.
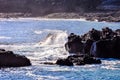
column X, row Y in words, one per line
column 90, row 46
column 108, row 16
column 100, row 10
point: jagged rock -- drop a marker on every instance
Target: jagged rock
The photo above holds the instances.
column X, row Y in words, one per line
column 92, row 35
column 64, row 62
column 102, row 44
column 74, row 44
column 106, row 48
column 87, row 46
column 9, row 59
column 78, row 60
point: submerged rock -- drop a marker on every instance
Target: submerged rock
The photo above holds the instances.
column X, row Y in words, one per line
column 9, row 59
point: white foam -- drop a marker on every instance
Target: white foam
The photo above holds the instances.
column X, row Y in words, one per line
column 14, row 47
column 51, row 48
column 39, row 18
column 5, row 37
column 38, row 32
column 55, row 37
column 110, row 64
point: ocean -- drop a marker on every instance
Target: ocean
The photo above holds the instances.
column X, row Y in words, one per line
column 42, row 40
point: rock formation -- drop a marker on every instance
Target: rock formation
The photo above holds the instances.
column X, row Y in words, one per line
column 102, row 44
column 9, row 59
column 78, row 60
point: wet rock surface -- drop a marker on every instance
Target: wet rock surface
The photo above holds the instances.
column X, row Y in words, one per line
column 87, row 48
column 102, row 44
column 9, row 59
column 78, row 60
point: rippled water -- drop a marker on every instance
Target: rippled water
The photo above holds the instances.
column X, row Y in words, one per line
column 43, row 40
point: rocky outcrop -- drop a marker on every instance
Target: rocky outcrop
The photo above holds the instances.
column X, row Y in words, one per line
column 9, row 59
column 78, row 60
column 102, row 44
column 74, row 44
column 85, row 49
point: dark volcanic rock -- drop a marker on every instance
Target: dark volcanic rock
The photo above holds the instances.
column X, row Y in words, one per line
column 106, row 48
column 102, row 44
column 78, row 60
column 74, row 44
column 64, row 62
column 9, row 59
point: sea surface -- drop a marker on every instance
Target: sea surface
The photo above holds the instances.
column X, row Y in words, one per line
column 43, row 40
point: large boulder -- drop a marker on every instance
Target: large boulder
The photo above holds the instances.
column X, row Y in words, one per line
column 93, row 34
column 74, row 44
column 87, row 46
column 106, row 48
column 9, row 59
column 64, row 62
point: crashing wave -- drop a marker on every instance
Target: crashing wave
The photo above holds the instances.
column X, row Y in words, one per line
column 54, row 38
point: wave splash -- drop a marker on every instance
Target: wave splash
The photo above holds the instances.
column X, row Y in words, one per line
column 50, row 48
column 54, row 37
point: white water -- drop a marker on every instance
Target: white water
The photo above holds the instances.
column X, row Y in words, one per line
column 5, row 37
column 50, row 48
column 54, row 37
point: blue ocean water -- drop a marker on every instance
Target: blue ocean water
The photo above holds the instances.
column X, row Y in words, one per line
column 43, row 41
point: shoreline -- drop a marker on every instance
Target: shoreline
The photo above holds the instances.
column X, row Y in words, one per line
column 38, row 18
column 103, row 16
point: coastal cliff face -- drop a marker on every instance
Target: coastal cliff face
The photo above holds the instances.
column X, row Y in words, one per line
column 47, row 6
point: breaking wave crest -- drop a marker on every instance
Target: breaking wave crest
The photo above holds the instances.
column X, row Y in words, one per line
column 54, row 37
column 51, row 47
